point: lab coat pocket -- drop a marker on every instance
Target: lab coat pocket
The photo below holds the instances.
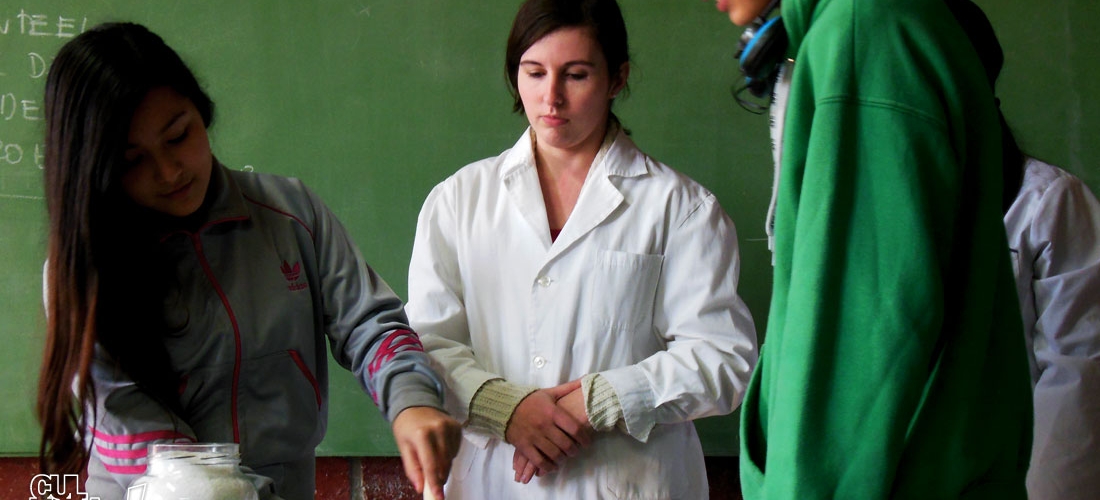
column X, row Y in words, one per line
column 671, row 461
column 622, row 290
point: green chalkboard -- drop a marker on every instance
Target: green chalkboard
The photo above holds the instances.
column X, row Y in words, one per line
column 1051, row 78
column 372, row 102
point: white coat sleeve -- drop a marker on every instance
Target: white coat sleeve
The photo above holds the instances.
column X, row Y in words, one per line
column 708, row 330
column 1066, row 286
column 436, row 306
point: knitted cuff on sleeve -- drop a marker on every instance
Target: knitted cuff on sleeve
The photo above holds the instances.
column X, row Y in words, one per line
column 493, row 404
column 601, row 403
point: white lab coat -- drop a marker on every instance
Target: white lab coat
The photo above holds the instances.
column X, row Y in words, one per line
column 640, row 286
column 1054, row 233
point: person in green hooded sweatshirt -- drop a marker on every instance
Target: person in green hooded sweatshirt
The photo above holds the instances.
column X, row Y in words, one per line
column 894, row 364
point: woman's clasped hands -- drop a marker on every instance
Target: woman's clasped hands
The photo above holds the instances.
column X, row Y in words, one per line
column 548, row 426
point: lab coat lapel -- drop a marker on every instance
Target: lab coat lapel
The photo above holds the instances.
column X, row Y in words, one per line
column 521, row 180
column 598, row 200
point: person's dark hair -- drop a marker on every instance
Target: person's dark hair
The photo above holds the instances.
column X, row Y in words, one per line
column 538, row 18
column 103, row 284
column 984, row 40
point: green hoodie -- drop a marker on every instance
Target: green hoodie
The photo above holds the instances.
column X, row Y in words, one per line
column 894, row 362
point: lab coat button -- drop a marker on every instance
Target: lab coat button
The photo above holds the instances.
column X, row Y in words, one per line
column 539, row 361
column 544, row 281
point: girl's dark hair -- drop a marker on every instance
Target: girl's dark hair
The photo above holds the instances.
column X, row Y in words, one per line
column 538, row 18
column 103, row 283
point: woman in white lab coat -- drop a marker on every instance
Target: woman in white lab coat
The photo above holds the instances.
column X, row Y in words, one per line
column 580, row 296
column 1054, row 233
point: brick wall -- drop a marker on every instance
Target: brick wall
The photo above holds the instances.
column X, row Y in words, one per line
column 367, row 478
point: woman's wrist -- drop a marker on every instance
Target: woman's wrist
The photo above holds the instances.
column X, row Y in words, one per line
column 601, row 403
column 493, row 405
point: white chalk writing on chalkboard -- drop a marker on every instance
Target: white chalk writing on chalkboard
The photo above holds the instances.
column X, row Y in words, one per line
column 13, row 154
column 14, row 108
column 35, row 24
column 32, row 37
column 38, row 65
column 21, row 197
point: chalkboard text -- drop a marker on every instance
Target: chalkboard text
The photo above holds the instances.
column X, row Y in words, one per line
column 42, row 25
column 16, row 154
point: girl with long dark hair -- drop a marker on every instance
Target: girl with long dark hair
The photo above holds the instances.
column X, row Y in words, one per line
column 190, row 302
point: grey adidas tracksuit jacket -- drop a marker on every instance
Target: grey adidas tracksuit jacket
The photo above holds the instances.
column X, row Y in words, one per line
column 265, row 283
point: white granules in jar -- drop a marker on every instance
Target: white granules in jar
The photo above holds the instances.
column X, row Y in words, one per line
column 193, row 472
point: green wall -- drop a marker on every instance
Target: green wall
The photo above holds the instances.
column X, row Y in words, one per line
column 1049, row 83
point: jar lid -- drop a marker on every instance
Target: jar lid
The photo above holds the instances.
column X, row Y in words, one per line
column 196, row 451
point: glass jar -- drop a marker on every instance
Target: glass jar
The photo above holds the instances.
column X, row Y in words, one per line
column 193, row 471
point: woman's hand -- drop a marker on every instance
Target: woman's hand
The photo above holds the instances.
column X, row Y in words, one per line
column 428, row 440
column 544, row 433
column 574, row 404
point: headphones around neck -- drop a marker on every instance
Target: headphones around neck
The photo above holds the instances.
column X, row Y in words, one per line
column 760, row 52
